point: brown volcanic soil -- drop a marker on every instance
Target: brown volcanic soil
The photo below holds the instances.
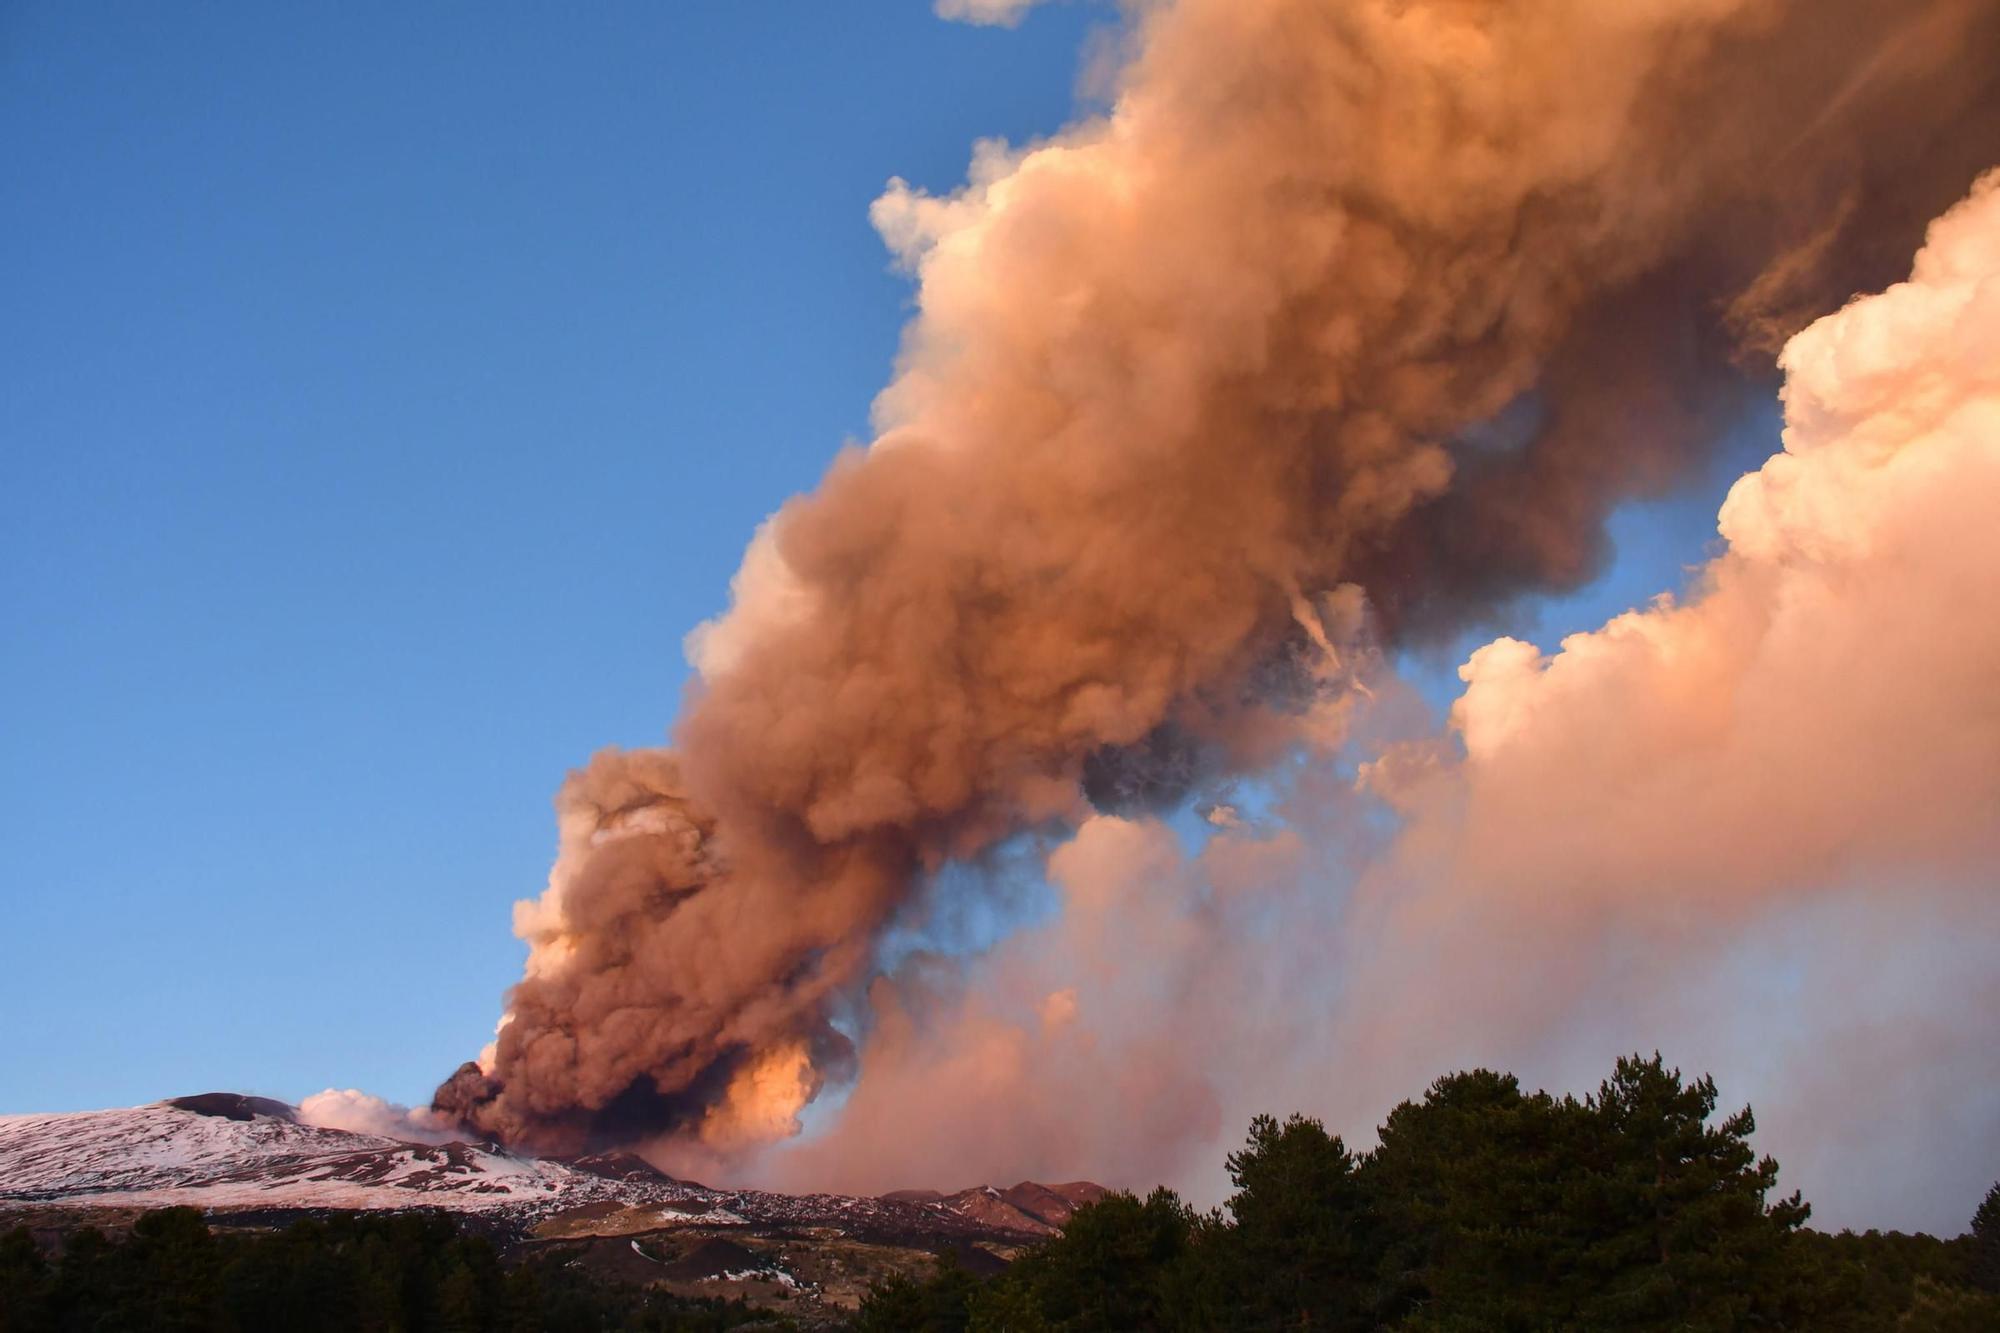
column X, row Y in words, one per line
column 1029, row 1208
column 625, row 1166
column 1053, row 1204
column 712, row 1258
column 829, row 1273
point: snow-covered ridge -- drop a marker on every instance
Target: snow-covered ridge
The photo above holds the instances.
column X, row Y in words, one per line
column 224, row 1152
column 163, row 1152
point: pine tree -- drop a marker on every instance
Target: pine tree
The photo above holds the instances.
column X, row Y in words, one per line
column 1107, row 1271
column 25, row 1285
column 1685, row 1238
column 1475, row 1188
column 1300, row 1249
column 1983, row 1268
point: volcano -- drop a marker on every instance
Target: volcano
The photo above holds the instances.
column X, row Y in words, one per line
column 253, row 1162
column 225, row 1152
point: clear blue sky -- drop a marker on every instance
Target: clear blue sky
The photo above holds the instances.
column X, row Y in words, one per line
column 384, row 391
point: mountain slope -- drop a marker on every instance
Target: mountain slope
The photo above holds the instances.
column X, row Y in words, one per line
column 223, row 1152
column 167, row 1153
column 1027, row 1207
column 250, row 1162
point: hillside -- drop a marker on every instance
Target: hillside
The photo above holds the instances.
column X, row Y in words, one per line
column 251, row 1162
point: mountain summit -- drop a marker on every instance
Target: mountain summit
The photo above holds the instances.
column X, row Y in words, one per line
column 1027, row 1207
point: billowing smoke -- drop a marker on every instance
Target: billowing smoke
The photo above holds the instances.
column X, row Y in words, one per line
column 1387, row 302
column 1754, row 826
column 363, row 1113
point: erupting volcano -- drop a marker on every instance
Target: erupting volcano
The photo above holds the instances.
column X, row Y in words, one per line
column 1341, row 329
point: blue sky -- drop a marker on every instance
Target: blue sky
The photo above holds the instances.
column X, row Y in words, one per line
column 384, row 391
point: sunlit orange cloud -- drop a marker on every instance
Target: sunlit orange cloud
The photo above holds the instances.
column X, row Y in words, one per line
column 1752, row 825
column 1188, row 386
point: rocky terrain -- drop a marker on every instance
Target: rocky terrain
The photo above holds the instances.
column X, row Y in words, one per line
column 1028, row 1208
column 247, row 1161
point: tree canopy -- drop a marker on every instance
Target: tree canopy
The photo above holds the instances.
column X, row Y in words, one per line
column 413, row 1272
column 1482, row 1207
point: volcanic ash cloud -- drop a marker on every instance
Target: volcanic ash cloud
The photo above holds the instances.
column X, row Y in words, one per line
column 1388, row 301
column 1753, row 825
column 1757, row 821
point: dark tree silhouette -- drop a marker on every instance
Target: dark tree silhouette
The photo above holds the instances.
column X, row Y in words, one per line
column 1984, row 1264
column 1481, row 1208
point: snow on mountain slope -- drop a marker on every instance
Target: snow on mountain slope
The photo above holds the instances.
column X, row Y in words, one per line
column 222, row 1152
column 165, row 1152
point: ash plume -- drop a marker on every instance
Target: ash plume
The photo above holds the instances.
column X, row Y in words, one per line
column 1752, row 824
column 1390, row 300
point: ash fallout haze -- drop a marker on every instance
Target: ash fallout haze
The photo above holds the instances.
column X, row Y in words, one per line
column 1067, row 777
